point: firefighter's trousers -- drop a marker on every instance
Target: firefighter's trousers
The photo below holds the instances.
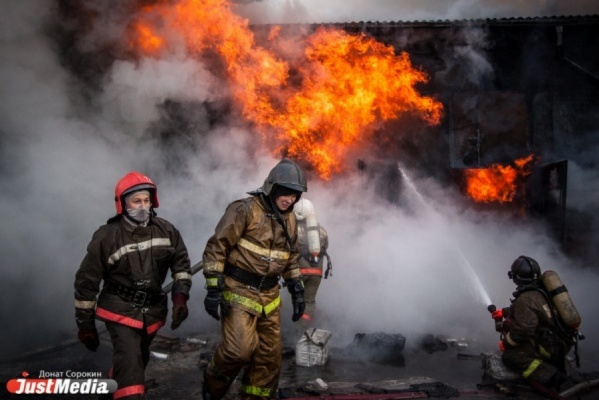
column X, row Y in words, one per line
column 311, row 284
column 531, row 365
column 249, row 342
column 131, row 353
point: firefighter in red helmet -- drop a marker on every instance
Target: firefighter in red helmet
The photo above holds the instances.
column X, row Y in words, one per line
column 132, row 255
column 254, row 245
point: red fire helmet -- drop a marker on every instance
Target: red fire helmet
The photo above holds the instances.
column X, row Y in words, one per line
column 132, row 182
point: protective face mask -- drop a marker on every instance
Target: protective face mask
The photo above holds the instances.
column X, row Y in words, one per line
column 139, row 214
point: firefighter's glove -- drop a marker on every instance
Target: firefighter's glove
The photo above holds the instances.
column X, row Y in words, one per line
column 296, row 288
column 506, row 325
column 214, row 297
column 180, row 311
column 89, row 337
column 329, row 270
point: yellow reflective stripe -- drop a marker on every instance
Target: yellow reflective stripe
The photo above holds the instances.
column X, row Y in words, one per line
column 257, row 391
column 277, row 254
column 211, row 282
column 148, row 244
column 182, row 275
column 531, row 368
column 235, row 298
column 254, row 305
column 544, row 352
column 85, row 304
column 270, row 307
column 214, row 266
column 216, row 372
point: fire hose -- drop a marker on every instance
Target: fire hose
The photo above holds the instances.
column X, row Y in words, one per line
column 586, row 385
column 194, row 270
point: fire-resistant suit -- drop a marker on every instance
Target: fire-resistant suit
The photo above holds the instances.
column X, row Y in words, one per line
column 133, row 262
column 254, row 245
column 310, row 267
column 534, row 341
column 533, row 345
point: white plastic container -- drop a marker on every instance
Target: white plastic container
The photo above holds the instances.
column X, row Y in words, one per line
column 159, row 356
column 312, row 348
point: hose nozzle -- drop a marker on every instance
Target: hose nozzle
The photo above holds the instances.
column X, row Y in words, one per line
column 497, row 315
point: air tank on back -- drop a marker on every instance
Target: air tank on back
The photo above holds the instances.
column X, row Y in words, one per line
column 561, row 299
column 304, row 210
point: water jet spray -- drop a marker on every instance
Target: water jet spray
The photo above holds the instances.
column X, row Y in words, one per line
column 481, row 294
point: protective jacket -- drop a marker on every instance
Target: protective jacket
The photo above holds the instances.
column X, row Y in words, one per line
column 249, row 237
column 307, row 266
column 250, row 244
column 534, row 345
column 133, row 262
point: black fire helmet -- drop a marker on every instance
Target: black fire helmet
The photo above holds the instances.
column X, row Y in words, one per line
column 524, row 271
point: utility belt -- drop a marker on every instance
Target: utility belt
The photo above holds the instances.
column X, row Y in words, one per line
column 256, row 281
column 136, row 297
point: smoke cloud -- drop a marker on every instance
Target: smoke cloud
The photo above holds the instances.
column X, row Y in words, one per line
column 427, row 266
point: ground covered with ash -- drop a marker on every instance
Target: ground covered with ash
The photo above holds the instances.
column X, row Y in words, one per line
column 376, row 363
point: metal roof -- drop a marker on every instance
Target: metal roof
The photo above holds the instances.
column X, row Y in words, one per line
column 514, row 21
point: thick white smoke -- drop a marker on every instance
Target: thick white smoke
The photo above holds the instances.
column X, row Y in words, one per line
column 63, row 147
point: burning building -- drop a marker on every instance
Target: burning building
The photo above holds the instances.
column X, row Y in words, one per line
column 451, row 99
column 518, row 103
column 504, row 106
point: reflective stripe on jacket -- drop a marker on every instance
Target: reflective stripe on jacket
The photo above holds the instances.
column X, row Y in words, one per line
column 134, row 257
column 248, row 236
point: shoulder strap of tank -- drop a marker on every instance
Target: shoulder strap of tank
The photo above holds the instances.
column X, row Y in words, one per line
column 564, row 331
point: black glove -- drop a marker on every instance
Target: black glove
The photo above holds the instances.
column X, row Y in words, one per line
column 506, row 325
column 180, row 311
column 89, row 337
column 214, row 298
column 296, row 288
column 329, row 270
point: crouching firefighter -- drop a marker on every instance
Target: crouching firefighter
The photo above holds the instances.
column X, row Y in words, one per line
column 132, row 254
column 539, row 328
column 254, row 244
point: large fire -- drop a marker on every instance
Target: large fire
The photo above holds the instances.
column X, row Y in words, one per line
column 497, row 183
column 347, row 83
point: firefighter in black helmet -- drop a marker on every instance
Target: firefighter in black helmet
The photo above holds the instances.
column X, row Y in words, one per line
column 254, row 244
column 132, row 254
column 532, row 342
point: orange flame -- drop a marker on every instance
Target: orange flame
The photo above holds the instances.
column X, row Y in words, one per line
column 497, row 183
column 347, row 83
column 143, row 36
